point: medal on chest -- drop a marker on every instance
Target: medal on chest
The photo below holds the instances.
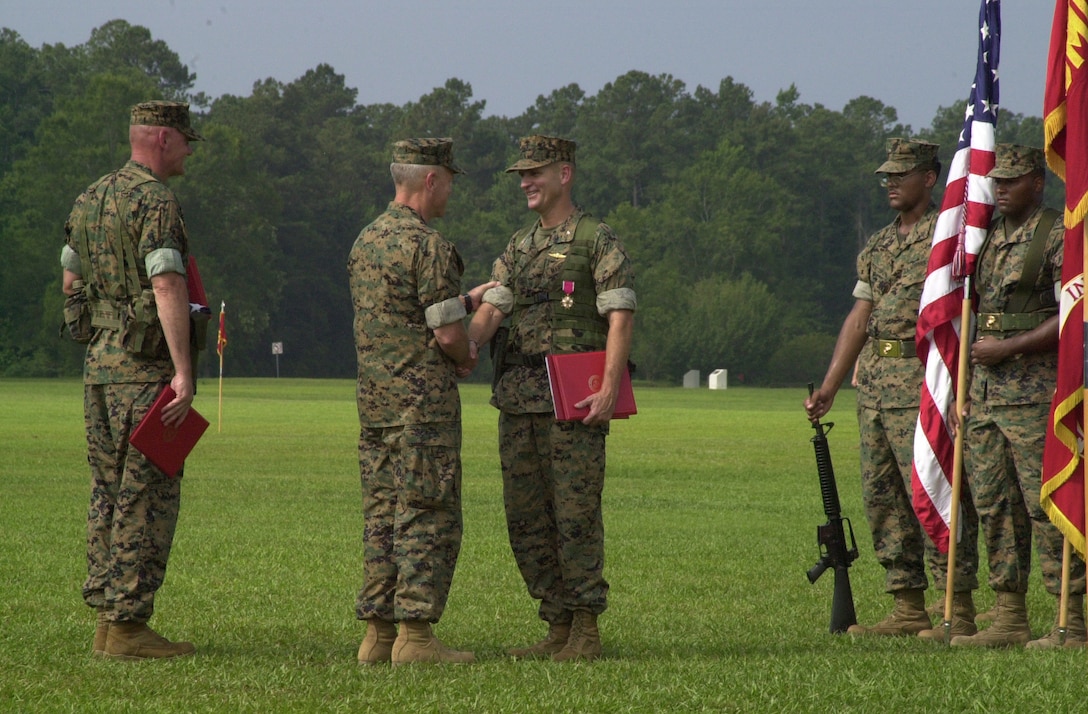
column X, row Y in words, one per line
column 568, row 289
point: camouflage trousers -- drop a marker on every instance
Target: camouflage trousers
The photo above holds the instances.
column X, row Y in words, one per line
column 411, row 478
column 134, row 505
column 552, row 478
column 1004, row 464
column 901, row 545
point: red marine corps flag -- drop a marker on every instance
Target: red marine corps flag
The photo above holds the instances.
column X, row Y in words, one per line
column 221, row 342
column 966, row 209
column 1065, row 112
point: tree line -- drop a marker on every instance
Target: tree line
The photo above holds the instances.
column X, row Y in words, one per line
column 743, row 218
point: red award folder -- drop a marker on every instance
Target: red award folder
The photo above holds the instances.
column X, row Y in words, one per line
column 195, row 284
column 573, row 376
column 167, row 447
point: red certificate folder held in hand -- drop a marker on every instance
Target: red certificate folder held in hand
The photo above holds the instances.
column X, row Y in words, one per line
column 167, row 447
column 573, row 376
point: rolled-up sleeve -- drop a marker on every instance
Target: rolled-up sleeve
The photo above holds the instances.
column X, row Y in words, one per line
column 617, row 299
column 443, row 313
column 501, row 297
column 69, row 260
column 164, row 260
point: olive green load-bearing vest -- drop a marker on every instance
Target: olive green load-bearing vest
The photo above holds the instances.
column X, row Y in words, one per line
column 579, row 327
column 1026, row 309
column 109, row 312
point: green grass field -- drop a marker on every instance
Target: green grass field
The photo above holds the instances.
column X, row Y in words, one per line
column 711, row 508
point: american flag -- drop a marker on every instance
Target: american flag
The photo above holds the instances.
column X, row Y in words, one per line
column 966, row 210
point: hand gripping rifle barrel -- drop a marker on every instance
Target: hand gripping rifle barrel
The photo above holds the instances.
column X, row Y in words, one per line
column 831, row 537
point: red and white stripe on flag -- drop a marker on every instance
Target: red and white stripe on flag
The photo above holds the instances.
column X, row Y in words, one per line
column 961, row 228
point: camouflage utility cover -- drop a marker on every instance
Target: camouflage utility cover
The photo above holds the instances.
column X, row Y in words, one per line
column 905, row 155
column 425, row 152
column 171, row 114
column 1013, row 161
column 539, row 150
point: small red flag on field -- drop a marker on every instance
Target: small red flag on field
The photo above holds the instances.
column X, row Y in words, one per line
column 222, row 341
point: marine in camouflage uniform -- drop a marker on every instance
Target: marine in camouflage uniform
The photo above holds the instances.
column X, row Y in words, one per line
column 879, row 335
column 405, row 280
column 134, row 505
column 1014, row 369
column 553, row 471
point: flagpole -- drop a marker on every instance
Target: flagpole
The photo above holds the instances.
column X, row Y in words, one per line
column 219, row 346
column 1067, row 548
column 957, row 456
column 1063, row 600
column 220, row 420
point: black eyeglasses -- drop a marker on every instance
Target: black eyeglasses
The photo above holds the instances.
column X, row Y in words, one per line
column 888, row 180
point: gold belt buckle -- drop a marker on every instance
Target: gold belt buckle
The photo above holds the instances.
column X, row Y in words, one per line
column 890, row 348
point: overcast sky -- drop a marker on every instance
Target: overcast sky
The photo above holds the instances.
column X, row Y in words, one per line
column 914, row 55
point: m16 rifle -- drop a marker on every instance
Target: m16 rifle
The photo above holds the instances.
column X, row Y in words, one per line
column 831, row 537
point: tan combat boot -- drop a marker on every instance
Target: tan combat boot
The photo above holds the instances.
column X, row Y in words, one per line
column 937, row 608
column 377, row 646
column 963, row 619
column 907, row 619
column 135, row 640
column 101, row 631
column 1010, row 627
column 555, row 640
column 416, row 643
column 584, row 642
column 1075, row 634
column 989, row 616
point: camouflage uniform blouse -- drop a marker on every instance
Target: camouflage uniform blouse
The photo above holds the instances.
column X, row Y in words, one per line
column 398, row 267
column 531, row 264
column 894, row 269
column 131, row 205
column 1030, row 378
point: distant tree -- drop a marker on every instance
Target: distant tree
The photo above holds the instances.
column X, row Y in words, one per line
column 663, row 298
column 25, row 100
column 800, row 359
column 832, row 156
column 445, row 111
column 118, row 45
column 316, row 226
column 232, row 210
column 743, row 219
column 480, row 145
column 555, row 114
column 717, row 115
column 84, row 138
column 719, row 217
column 628, row 138
column 731, row 324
